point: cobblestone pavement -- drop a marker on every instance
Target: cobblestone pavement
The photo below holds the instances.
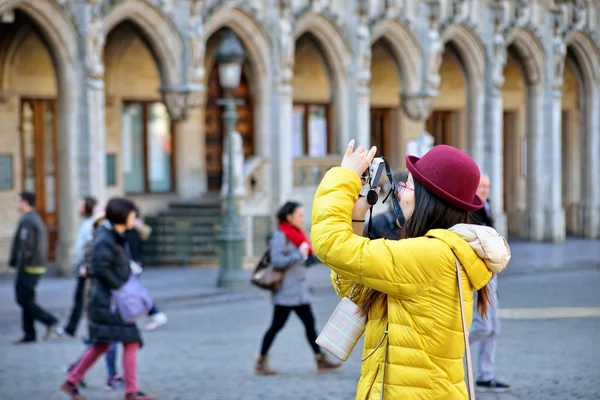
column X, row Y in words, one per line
column 206, row 350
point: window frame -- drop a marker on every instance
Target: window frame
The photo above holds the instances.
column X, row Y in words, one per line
column 306, row 106
column 172, row 127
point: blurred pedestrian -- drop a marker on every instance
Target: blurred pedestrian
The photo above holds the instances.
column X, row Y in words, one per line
column 29, row 255
column 114, row 381
column 110, row 271
column 485, row 330
column 290, row 250
column 135, row 238
column 85, row 234
column 386, row 224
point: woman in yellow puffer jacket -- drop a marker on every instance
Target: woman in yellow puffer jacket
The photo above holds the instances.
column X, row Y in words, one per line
column 410, row 285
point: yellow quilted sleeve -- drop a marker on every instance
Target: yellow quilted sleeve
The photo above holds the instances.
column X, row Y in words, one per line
column 388, row 266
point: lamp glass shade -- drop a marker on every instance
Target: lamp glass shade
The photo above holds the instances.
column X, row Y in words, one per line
column 229, row 74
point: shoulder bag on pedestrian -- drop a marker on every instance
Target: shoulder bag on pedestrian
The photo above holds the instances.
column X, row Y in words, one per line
column 265, row 276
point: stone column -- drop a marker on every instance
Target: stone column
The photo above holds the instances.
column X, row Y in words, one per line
column 185, row 108
column 84, row 172
column 282, row 164
column 360, row 106
column 535, row 166
column 492, row 161
column 590, row 201
column 93, row 140
column 555, row 229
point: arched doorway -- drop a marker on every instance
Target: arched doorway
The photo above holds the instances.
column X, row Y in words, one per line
column 32, row 79
column 514, row 143
column 140, row 137
column 214, row 126
column 312, row 96
column 447, row 121
column 385, row 91
column 572, row 150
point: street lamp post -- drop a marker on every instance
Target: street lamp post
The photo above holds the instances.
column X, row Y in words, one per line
column 230, row 58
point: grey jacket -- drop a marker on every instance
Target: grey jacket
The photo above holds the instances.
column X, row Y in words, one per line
column 30, row 243
column 285, row 256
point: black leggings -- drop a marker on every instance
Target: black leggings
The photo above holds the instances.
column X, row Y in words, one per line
column 280, row 316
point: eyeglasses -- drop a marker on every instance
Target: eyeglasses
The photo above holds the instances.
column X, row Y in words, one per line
column 402, row 187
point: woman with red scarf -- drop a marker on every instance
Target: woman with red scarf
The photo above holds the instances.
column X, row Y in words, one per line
column 291, row 251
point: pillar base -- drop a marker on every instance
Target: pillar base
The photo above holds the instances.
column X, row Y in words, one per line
column 545, row 226
column 590, row 221
column 64, row 257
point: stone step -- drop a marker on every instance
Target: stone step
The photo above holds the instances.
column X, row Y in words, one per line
column 185, row 233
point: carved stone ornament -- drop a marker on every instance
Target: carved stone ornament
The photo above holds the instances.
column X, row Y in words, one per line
column 393, row 8
column 559, row 53
column 418, row 106
column 286, row 43
column 363, row 47
column 499, row 60
column 197, row 43
column 522, row 12
column 95, row 43
column 180, row 100
column 436, row 50
column 460, row 10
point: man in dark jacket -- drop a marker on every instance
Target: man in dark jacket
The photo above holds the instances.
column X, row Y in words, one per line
column 28, row 255
column 485, row 330
column 386, row 225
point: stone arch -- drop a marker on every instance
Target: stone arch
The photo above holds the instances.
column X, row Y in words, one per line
column 586, row 59
column 336, row 54
column 162, row 36
column 530, row 52
column 256, row 43
column 470, row 52
column 405, row 50
column 60, row 37
column 531, row 57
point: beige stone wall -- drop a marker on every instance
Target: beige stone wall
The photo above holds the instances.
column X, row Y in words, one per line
column 131, row 74
column 311, row 82
column 384, row 85
column 32, row 76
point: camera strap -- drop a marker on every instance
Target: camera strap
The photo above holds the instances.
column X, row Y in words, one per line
column 395, row 203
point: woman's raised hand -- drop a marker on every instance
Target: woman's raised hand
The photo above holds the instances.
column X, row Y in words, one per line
column 359, row 160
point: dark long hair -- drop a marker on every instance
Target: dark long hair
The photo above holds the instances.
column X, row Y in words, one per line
column 430, row 213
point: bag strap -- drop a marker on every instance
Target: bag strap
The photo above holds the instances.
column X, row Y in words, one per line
column 465, row 333
column 339, row 290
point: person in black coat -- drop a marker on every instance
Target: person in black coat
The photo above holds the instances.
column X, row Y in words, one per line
column 387, row 225
column 110, row 270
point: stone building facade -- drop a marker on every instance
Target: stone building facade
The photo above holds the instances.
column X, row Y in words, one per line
column 114, row 97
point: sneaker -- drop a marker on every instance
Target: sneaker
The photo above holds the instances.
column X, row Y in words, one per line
column 139, row 396
column 156, row 321
column 68, row 370
column 115, row 383
column 492, row 386
column 71, row 391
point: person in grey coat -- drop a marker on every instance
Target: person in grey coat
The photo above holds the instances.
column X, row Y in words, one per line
column 28, row 255
column 291, row 251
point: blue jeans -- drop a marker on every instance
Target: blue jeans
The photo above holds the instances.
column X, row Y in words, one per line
column 110, row 357
column 486, row 333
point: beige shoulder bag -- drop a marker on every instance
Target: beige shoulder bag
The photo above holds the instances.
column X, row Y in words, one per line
column 344, row 328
